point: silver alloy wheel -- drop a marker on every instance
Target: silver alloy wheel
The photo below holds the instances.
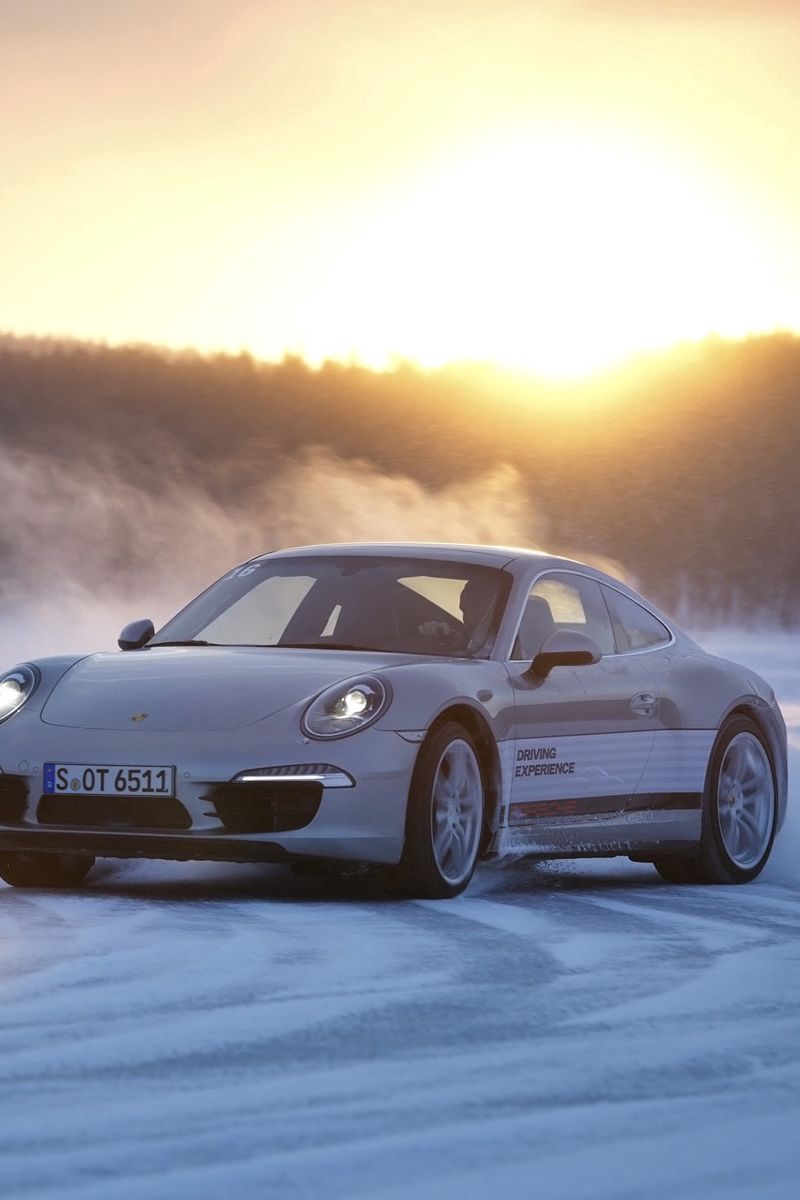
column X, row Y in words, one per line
column 746, row 800
column 457, row 811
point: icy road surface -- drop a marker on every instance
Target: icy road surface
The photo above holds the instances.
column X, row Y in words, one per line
column 562, row 1031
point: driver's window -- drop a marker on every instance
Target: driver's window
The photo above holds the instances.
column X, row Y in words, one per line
column 563, row 601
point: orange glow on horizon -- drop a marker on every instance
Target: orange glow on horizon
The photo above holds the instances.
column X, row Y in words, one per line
column 553, row 255
column 549, row 187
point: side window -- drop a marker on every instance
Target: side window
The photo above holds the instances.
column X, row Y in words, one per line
column 563, row 601
column 635, row 627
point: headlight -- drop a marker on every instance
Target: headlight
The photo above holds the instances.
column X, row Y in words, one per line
column 346, row 708
column 15, row 688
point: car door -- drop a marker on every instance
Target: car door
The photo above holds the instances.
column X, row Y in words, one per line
column 583, row 735
column 674, row 777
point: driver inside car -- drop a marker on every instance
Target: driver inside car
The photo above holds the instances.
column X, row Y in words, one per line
column 475, row 603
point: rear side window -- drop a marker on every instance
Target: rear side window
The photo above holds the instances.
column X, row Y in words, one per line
column 635, row 628
column 563, row 601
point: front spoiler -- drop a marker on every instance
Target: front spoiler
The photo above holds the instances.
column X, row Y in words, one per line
column 111, row 845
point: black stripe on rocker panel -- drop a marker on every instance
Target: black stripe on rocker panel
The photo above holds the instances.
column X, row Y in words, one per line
column 533, row 810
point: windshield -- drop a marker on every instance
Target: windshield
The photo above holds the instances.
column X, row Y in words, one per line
column 413, row 606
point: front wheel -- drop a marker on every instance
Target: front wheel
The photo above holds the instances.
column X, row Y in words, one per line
column 444, row 825
column 36, row 870
column 739, row 811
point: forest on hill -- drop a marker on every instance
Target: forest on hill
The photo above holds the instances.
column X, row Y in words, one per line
column 682, row 466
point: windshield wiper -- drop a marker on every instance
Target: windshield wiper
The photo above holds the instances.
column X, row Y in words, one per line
column 189, row 642
column 319, row 646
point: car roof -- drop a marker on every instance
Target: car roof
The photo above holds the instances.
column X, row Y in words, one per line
column 518, row 558
column 495, row 556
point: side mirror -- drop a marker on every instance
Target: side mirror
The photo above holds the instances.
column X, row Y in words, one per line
column 136, row 635
column 564, row 648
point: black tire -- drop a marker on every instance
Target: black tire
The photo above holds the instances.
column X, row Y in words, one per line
column 718, row 859
column 677, row 869
column 428, row 872
column 36, row 870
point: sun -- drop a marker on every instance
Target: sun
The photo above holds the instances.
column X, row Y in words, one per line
column 558, row 254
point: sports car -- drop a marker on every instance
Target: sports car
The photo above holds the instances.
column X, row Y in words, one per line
column 411, row 707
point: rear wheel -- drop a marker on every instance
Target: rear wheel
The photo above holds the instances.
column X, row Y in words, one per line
column 35, row 870
column 739, row 811
column 445, row 818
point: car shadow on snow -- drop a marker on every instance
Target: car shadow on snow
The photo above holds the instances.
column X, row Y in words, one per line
column 193, row 882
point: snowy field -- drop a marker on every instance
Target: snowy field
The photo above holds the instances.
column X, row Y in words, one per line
column 563, row 1031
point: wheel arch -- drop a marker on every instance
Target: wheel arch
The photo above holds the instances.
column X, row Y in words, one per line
column 475, row 723
column 765, row 720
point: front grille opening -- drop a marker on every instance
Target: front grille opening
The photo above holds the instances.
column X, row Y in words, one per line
column 264, row 807
column 13, row 798
column 114, row 812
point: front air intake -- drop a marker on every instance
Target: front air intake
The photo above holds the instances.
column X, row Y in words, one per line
column 113, row 812
column 13, row 798
column 264, row 805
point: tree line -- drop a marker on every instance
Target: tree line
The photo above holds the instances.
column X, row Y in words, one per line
column 683, row 465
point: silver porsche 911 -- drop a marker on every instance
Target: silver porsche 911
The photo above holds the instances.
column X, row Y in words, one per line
column 416, row 706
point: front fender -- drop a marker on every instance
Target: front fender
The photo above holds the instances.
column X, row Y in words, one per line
column 422, row 693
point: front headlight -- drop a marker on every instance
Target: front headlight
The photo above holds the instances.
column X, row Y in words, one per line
column 346, row 708
column 15, row 688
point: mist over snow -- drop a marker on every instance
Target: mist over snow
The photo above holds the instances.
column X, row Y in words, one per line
column 682, row 466
column 86, row 552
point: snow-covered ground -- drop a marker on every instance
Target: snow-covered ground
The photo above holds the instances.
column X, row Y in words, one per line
column 562, row 1031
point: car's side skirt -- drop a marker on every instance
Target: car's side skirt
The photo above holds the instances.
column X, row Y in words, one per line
column 609, row 806
column 647, row 823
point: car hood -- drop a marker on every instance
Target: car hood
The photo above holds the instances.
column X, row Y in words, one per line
column 195, row 688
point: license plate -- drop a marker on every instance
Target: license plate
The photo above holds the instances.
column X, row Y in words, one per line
column 89, row 779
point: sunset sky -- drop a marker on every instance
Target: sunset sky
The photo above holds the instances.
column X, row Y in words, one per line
column 550, row 184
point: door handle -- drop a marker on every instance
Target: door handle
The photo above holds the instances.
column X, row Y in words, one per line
column 644, row 704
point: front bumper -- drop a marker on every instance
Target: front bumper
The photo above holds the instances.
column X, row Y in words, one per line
column 211, row 817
